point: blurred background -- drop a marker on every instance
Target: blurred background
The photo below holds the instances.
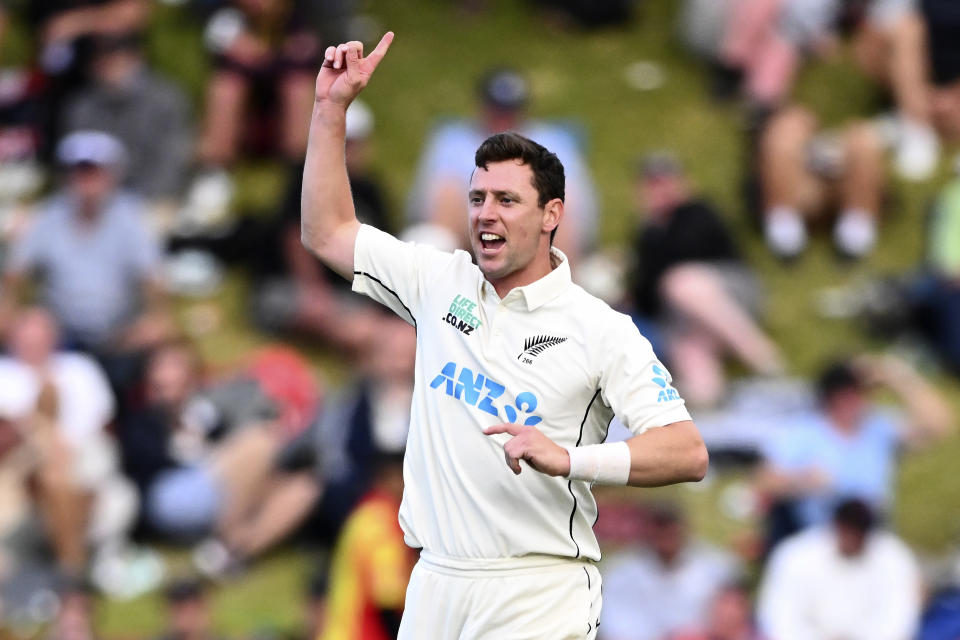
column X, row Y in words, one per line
column 200, row 427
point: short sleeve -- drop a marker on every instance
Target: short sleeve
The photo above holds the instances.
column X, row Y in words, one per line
column 395, row 273
column 634, row 383
column 27, row 252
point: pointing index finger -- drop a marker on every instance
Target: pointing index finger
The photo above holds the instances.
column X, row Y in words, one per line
column 512, row 429
column 381, row 49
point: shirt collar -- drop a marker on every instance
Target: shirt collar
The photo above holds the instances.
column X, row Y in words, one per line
column 540, row 292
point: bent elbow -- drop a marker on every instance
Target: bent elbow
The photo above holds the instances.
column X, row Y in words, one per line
column 699, row 462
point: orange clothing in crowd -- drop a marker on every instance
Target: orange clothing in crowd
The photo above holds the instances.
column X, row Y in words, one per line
column 370, row 570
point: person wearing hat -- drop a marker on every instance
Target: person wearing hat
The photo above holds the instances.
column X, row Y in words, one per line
column 444, row 169
column 690, row 277
column 98, row 259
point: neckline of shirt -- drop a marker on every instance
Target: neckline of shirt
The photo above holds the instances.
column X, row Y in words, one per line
column 541, row 291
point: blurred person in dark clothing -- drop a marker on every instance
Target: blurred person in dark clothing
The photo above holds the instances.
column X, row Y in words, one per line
column 196, row 469
column 690, row 271
column 65, row 31
column 128, row 100
column 96, row 260
column 188, row 611
column 296, row 291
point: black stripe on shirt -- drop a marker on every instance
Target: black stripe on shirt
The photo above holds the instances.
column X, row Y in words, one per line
column 380, row 282
column 573, row 512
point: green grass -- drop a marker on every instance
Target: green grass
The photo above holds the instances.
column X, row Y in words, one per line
column 431, row 73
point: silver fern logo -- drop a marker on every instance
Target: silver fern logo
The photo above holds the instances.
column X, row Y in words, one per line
column 535, row 345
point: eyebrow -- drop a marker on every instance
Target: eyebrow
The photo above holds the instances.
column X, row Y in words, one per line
column 513, row 195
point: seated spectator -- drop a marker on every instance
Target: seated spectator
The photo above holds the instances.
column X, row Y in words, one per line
column 766, row 40
column 129, row 101
column 189, row 615
column 90, row 243
column 439, row 193
column 936, row 291
column 808, row 174
column 63, row 404
column 198, row 467
column 942, row 21
column 296, row 292
column 321, row 475
column 730, row 617
column 844, row 579
column 65, row 30
column 666, row 586
column 849, row 446
column 690, row 274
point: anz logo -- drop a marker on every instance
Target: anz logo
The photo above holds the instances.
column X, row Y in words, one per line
column 667, row 392
column 479, row 391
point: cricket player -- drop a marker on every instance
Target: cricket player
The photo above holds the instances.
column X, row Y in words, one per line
column 514, row 364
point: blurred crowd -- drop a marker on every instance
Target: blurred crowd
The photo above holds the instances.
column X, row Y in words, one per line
column 120, row 440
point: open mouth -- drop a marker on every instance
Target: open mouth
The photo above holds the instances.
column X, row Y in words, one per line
column 491, row 241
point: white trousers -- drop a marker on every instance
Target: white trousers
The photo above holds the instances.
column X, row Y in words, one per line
column 559, row 600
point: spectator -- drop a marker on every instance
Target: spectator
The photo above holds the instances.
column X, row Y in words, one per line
column 936, row 291
column 64, row 404
column 98, row 258
column 767, row 39
column 127, row 100
column 690, row 274
column 845, row 579
column 195, row 468
column 805, row 172
column 263, row 47
column 848, row 447
column 188, row 611
column 439, row 194
column 371, row 563
column 730, row 617
column 65, row 30
column 297, row 292
column 667, row 586
column 325, row 471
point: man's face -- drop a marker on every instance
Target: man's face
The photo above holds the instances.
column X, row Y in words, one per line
column 91, row 183
column 507, row 226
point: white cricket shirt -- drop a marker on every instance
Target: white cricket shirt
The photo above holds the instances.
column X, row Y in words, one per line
column 548, row 354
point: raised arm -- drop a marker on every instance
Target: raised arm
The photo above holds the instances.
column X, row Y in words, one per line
column 328, row 223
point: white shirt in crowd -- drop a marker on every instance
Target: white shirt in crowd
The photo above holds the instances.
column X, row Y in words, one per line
column 548, row 354
column 811, row 592
column 645, row 599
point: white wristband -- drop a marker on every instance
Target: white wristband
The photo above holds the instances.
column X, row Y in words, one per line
column 600, row 463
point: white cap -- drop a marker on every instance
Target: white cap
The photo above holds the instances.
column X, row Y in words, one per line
column 91, row 147
column 359, row 120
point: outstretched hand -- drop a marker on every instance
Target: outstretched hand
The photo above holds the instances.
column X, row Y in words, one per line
column 528, row 443
column 345, row 72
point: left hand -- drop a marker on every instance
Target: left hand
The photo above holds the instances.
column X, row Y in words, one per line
column 528, row 443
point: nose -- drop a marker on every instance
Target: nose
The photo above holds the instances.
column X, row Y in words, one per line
column 488, row 211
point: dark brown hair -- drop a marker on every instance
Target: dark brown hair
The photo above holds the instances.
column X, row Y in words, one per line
column 548, row 176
